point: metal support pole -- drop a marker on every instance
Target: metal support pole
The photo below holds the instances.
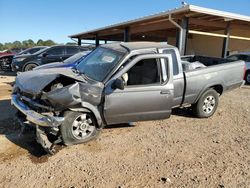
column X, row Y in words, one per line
column 181, row 36
column 79, row 42
column 97, row 41
column 126, row 34
column 226, row 41
column 105, row 41
column 185, row 24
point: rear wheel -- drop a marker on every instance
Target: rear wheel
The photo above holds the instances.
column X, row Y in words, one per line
column 78, row 127
column 30, row 67
column 248, row 77
column 207, row 104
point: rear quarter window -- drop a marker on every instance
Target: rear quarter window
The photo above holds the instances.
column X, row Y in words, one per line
column 175, row 62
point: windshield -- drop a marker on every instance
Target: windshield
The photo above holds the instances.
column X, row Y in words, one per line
column 30, row 51
column 27, row 51
column 75, row 57
column 42, row 50
column 99, row 63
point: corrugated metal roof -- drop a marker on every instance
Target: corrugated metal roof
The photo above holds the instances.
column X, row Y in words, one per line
column 186, row 8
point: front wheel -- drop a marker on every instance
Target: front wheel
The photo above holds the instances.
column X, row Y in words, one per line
column 207, row 104
column 29, row 67
column 78, row 128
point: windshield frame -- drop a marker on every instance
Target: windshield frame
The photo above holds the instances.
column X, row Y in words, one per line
column 124, row 54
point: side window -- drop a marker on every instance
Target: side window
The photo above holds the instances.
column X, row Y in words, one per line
column 32, row 51
column 71, row 50
column 144, row 72
column 55, row 51
column 233, row 58
column 175, row 62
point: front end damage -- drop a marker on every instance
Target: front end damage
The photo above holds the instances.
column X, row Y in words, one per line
column 42, row 97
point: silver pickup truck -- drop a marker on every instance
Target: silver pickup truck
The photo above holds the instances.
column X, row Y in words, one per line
column 119, row 83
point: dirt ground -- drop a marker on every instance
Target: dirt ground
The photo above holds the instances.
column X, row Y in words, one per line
column 182, row 151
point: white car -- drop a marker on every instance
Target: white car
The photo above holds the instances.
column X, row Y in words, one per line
column 244, row 56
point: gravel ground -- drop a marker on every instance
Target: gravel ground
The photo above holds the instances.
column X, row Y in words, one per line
column 182, row 151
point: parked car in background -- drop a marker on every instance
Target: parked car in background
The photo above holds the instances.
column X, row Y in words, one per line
column 70, row 62
column 6, row 57
column 52, row 54
column 6, row 52
column 6, row 60
column 119, row 83
column 244, row 56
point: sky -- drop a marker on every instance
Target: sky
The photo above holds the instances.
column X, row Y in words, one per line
column 57, row 19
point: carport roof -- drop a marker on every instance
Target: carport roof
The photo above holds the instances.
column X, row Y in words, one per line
column 200, row 18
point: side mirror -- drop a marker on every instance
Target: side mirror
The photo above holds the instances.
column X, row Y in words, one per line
column 118, row 84
column 45, row 54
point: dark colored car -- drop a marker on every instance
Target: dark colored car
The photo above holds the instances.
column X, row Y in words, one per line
column 6, row 60
column 47, row 55
column 70, row 62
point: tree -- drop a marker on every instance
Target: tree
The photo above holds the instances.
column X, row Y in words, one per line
column 17, row 44
column 1, row 46
column 31, row 43
column 7, row 45
column 49, row 43
column 25, row 44
column 40, row 42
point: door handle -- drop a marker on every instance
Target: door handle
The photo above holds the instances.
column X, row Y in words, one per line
column 165, row 92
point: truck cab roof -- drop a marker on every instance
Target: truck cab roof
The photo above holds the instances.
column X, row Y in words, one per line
column 131, row 46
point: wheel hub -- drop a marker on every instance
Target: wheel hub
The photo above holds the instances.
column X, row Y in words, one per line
column 82, row 127
column 209, row 104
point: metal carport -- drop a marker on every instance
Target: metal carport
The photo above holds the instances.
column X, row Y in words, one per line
column 193, row 29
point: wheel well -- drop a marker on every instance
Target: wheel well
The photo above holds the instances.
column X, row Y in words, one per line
column 29, row 64
column 247, row 71
column 218, row 88
column 84, row 110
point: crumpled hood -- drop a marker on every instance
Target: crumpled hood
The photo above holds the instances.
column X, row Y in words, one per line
column 34, row 82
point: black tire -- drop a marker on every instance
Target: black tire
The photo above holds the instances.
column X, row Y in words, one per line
column 207, row 104
column 247, row 77
column 69, row 131
column 29, row 67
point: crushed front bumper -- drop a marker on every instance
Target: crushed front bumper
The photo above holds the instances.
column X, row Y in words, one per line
column 34, row 117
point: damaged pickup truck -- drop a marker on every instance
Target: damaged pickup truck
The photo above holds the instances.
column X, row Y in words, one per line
column 119, row 83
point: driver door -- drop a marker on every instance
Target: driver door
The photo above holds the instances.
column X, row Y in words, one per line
column 147, row 94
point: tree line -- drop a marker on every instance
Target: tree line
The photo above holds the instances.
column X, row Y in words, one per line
column 25, row 44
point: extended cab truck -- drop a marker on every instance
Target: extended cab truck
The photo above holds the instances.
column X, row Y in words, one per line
column 118, row 83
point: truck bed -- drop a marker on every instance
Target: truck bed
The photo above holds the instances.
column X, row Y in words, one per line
column 223, row 74
column 207, row 61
